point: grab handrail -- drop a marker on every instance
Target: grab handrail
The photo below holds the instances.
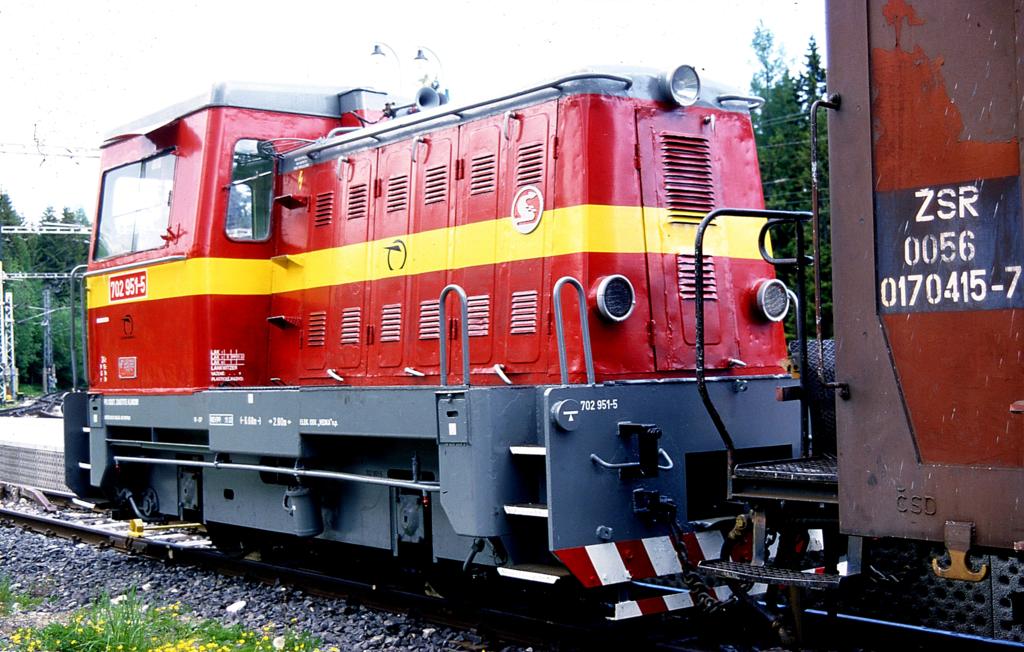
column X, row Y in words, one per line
column 77, row 275
column 833, row 102
column 796, row 217
column 584, row 328
column 443, row 332
column 457, row 111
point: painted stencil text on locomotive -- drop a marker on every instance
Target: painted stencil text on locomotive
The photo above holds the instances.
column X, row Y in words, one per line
column 123, row 287
column 951, row 247
column 226, row 365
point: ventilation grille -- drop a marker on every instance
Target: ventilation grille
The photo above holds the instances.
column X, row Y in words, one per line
column 358, row 201
column 430, row 320
column 524, row 313
column 686, row 170
column 398, row 192
column 482, row 174
column 391, row 323
column 316, row 328
column 530, row 164
column 323, row 209
column 351, row 325
column 688, row 278
column 479, row 315
column 435, row 185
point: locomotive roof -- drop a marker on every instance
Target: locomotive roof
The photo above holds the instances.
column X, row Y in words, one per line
column 643, row 83
column 304, row 100
column 636, row 82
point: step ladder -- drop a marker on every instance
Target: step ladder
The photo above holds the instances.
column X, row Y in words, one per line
column 814, row 479
column 809, row 480
column 533, row 509
column 542, row 573
column 530, row 459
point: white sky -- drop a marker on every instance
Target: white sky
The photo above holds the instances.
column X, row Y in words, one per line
column 71, row 71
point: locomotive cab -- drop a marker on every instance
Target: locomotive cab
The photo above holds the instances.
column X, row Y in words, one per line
column 178, row 293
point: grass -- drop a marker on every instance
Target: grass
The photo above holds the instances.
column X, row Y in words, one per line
column 11, row 598
column 29, row 390
column 129, row 625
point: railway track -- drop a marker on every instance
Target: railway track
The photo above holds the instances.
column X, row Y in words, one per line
column 503, row 622
column 389, row 593
column 47, row 405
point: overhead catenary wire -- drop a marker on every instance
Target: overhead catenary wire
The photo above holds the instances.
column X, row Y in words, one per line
column 40, row 150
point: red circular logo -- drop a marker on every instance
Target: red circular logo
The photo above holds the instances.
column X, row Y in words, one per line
column 527, row 209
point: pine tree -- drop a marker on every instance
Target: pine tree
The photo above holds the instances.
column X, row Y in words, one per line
column 41, row 253
column 782, row 130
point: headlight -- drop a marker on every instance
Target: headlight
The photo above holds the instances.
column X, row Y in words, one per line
column 615, row 297
column 683, row 84
column 773, row 299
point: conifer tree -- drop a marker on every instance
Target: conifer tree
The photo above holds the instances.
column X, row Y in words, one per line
column 782, row 131
column 41, row 253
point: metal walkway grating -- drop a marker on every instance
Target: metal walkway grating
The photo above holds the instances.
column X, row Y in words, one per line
column 820, row 469
column 769, row 575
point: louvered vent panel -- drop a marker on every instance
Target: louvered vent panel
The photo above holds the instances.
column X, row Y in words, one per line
column 479, row 315
column 398, row 192
column 316, row 328
column 530, row 164
column 358, row 201
column 430, row 320
column 524, row 313
column 323, row 209
column 435, row 184
column 351, row 325
column 391, row 323
column 483, row 172
column 686, row 171
column 687, row 267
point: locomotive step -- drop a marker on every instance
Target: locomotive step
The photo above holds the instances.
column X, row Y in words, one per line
column 537, row 510
column 813, row 479
column 543, row 573
column 769, row 575
column 528, row 449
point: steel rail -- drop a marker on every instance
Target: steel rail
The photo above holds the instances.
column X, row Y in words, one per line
column 376, row 592
column 509, row 626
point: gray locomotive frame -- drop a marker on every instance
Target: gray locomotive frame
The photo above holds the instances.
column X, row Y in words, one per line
column 436, row 465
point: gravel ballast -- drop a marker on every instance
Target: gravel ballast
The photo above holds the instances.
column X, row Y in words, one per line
column 70, row 575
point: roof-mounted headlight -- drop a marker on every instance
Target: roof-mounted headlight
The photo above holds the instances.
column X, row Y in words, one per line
column 683, row 85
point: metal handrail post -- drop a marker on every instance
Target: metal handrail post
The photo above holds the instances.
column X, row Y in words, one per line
column 75, row 272
column 457, row 111
column 443, row 328
column 588, row 357
column 698, row 254
column 832, row 102
column 801, row 338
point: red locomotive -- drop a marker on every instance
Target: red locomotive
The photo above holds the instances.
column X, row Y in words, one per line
column 282, row 280
column 323, row 315
column 331, row 265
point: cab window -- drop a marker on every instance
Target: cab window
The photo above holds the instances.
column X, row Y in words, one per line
column 250, row 193
column 135, row 207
